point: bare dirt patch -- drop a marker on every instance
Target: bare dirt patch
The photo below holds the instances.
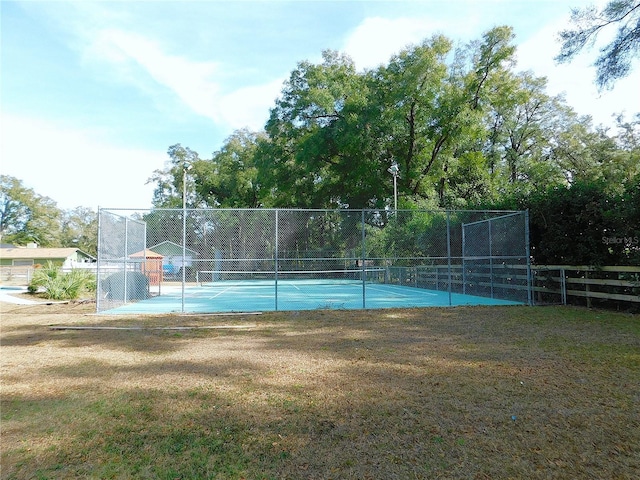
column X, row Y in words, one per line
column 499, row 392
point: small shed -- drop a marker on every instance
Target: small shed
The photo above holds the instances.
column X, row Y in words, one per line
column 151, row 265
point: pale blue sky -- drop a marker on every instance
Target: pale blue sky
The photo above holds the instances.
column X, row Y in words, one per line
column 93, row 93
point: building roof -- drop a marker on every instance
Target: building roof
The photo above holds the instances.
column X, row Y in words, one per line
column 44, row 253
column 168, row 248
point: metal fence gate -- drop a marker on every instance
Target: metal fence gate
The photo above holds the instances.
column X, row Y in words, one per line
column 144, row 255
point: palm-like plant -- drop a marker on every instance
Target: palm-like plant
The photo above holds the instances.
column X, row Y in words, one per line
column 58, row 285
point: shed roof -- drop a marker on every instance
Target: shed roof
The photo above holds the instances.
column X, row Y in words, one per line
column 147, row 254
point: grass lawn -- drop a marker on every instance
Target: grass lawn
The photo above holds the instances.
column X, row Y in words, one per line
column 455, row 393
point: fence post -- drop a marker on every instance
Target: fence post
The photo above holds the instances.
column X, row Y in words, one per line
column 527, row 248
column 275, row 264
column 463, row 253
column 587, row 288
column 184, row 248
column 490, row 259
column 98, row 262
column 126, row 253
column 364, row 264
column 449, row 254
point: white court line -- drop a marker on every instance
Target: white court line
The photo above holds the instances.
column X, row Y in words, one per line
column 239, row 288
column 221, row 292
column 387, row 289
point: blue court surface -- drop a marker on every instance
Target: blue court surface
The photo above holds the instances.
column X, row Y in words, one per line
column 220, row 297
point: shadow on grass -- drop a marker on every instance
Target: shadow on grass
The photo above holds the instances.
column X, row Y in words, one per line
column 455, row 393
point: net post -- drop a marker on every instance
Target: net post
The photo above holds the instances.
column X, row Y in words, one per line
column 449, row 254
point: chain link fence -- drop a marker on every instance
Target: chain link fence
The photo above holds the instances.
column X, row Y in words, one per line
column 152, row 253
column 491, row 267
column 121, row 256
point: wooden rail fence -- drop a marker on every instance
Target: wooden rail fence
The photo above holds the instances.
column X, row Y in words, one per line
column 610, row 283
column 550, row 284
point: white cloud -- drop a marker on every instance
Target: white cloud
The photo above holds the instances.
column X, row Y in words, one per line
column 576, row 79
column 193, row 82
column 376, row 39
column 249, row 106
column 76, row 167
column 196, row 84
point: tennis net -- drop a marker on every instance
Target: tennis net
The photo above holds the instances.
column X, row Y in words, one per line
column 293, row 277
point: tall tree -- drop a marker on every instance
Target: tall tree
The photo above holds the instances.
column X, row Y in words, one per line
column 627, row 152
column 79, row 228
column 169, row 182
column 304, row 162
column 26, row 216
column 587, row 154
column 230, row 178
column 414, row 106
column 615, row 58
column 525, row 124
column 481, row 77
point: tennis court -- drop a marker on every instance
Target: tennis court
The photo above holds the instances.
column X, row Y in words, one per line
column 244, row 260
column 298, row 294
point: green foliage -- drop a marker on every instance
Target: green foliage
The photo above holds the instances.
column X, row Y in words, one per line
column 464, row 129
column 169, row 183
column 230, row 179
column 467, row 131
column 26, row 216
column 58, row 285
column 315, row 145
column 585, row 223
column 79, row 228
column 409, row 234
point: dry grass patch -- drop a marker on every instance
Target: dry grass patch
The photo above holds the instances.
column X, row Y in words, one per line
column 506, row 392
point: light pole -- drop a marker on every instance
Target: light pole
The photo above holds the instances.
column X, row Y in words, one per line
column 394, row 170
column 185, row 167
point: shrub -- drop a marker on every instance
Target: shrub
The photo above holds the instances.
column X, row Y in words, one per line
column 58, row 285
